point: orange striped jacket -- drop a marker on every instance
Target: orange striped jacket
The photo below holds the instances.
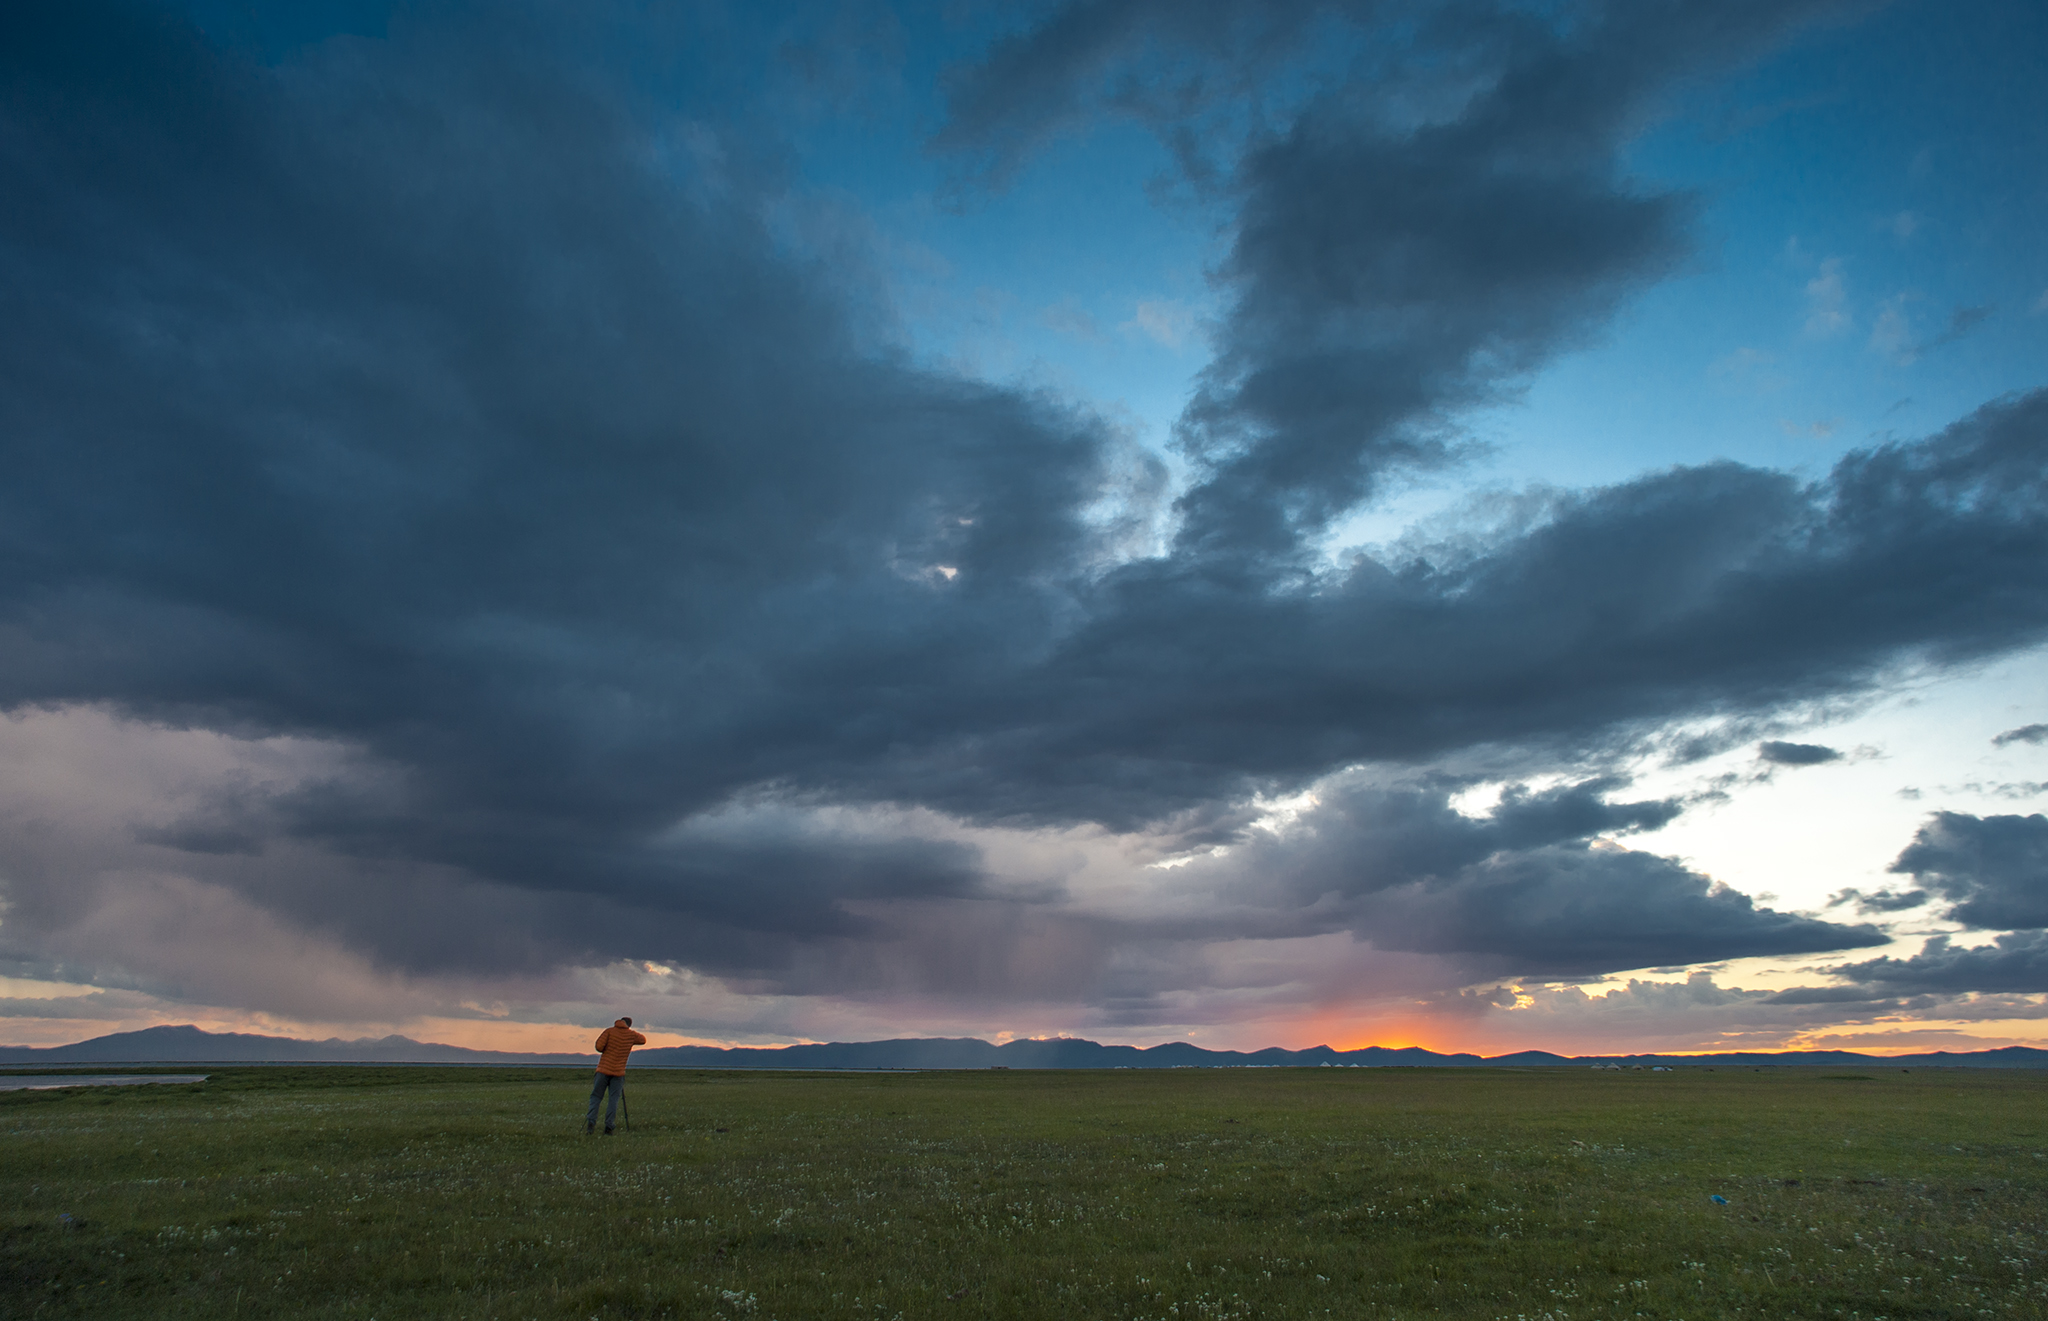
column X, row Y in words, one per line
column 613, row 1045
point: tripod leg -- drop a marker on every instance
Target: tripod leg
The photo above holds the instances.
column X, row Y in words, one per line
column 625, row 1111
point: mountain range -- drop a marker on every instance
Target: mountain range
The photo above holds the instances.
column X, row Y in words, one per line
column 190, row 1045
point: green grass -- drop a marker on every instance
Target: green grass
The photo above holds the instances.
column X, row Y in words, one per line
column 1174, row 1195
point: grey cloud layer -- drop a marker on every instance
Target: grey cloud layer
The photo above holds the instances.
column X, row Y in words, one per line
column 1530, row 888
column 421, row 397
column 1993, row 870
column 1400, row 251
column 1993, row 874
column 1779, row 753
column 2014, row 962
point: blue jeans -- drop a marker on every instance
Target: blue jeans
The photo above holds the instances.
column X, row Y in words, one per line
column 615, row 1086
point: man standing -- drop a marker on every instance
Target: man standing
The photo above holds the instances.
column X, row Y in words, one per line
column 613, row 1045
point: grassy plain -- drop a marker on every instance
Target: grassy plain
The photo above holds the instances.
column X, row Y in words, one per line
column 1170, row 1196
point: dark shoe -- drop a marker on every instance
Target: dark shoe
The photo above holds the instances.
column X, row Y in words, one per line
column 607, row 1132
column 590, row 1128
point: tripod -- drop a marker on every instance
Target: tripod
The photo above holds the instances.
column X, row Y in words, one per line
column 625, row 1112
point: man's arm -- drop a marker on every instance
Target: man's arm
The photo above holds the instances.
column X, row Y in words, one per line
column 603, row 1040
column 635, row 1037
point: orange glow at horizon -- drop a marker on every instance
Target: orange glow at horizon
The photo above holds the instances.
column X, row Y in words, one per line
column 1343, row 1029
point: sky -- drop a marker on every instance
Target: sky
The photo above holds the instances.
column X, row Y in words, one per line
column 1485, row 525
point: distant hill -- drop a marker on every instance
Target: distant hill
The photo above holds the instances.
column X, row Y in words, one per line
column 190, row 1045
column 1059, row 1053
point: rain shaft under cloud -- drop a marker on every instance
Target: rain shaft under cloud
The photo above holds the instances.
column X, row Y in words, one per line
column 430, row 402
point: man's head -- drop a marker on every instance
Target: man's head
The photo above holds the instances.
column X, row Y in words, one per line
column 624, row 1022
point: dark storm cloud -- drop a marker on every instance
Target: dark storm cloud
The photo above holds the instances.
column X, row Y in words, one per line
column 1879, row 901
column 417, row 397
column 1713, row 589
column 1393, row 261
column 1993, row 870
column 410, row 401
column 1579, row 911
column 1363, row 838
column 1525, row 889
column 1795, row 754
column 1535, row 887
column 2016, row 963
column 2024, row 734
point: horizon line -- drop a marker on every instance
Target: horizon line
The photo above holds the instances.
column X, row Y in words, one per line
column 993, row 1045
